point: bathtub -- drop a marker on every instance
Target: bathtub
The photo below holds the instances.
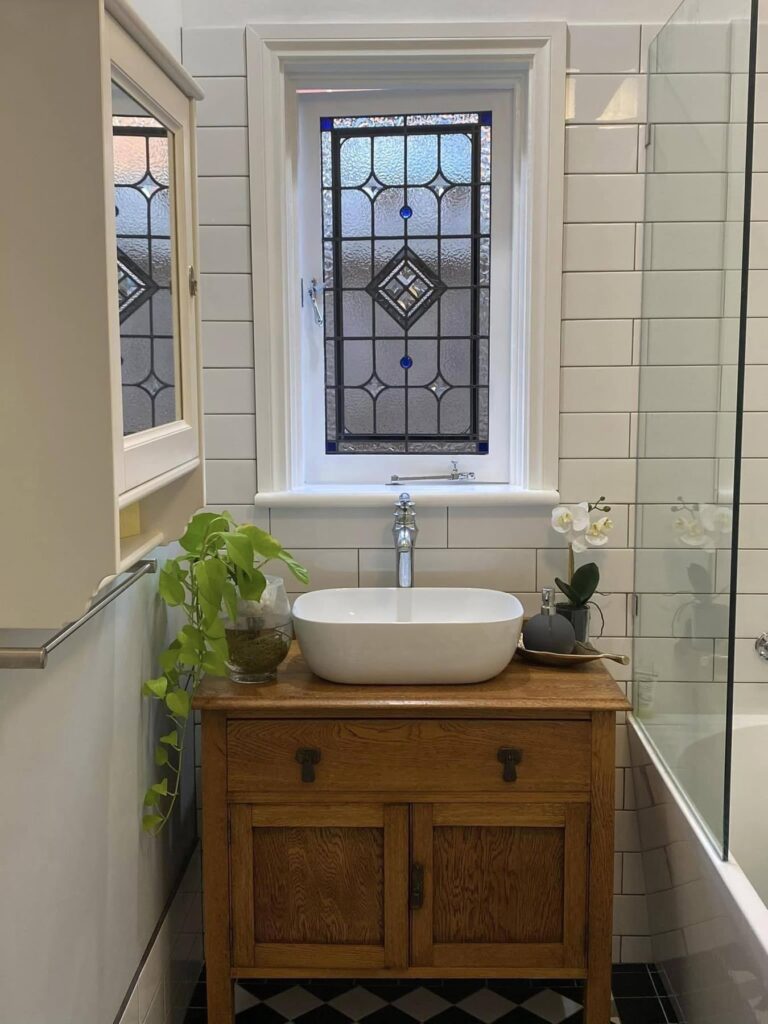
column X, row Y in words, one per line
column 708, row 923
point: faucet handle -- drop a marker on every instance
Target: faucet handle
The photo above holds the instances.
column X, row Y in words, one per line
column 404, row 501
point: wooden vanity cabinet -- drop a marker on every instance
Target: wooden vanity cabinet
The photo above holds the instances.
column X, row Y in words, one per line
column 457, row 831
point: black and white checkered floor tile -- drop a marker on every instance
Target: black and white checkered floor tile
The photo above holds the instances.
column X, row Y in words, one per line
column 326, row 1001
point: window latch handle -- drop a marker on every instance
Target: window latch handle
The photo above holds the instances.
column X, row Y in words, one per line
column 315, row 289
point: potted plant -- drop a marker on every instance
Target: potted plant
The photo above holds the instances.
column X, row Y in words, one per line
column 238, row 623
column 582, row 530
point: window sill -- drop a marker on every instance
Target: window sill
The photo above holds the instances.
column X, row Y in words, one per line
column 425, row 495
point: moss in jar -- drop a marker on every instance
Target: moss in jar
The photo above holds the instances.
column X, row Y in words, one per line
column 257, row 651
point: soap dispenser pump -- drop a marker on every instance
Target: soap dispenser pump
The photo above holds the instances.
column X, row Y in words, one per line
column 549, row 631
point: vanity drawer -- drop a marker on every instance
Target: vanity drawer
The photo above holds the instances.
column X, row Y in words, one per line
column 403, row 755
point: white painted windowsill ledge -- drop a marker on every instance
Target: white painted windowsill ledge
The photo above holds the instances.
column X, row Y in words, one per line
column 424, row 494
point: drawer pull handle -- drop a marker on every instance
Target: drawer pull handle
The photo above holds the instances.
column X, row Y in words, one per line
column 308, row 757
column 416, row 899
column 509, row 757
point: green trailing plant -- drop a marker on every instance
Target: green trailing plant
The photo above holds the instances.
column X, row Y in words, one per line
column 221, row 564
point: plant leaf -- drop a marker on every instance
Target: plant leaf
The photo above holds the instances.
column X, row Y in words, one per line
column 170, row 587
column 171, row 739
column 150, row 822
column 229, row 594
column 240, row 550
column 155, row 791
column 569, row 592
column 178, row 702
column 263, row 543
column 251, row 588
column 585, row 581
column 169, row 658
column 214, row 664
column 161, row 756
column 155, row 687
column 296, row 568
column 200, row 525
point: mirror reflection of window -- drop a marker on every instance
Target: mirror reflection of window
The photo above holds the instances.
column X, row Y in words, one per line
column 142, row 150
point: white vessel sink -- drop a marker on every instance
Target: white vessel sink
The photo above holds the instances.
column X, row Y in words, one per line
column 419, row 635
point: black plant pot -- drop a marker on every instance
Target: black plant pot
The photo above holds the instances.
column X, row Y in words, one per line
column 578, row 618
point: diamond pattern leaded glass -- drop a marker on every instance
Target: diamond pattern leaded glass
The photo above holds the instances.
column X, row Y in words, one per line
column 143, row 222
column 406, row 256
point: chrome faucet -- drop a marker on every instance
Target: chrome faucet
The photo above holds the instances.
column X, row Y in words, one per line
column 404, row 530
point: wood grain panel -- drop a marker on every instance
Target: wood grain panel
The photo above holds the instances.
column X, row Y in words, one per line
column 520, row 689
column 396, row 857
column 498, row 884
column 447, row 755
column 318, row 885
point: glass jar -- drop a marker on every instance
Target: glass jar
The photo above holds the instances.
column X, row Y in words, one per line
column 260, row 637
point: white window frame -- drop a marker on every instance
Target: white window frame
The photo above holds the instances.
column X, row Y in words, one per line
column 279, row 59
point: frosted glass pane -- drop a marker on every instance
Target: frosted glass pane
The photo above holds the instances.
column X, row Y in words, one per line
column 423, row 351
column 355, row 160
column 423, row 202
column 456, row 261
column 390, row 412
column 358, row 412
column 387, row 219
column 389, row 352
column 455, row 412
column 456, row 311
column 456, row 157
column 355, row 264
column 456, row 211
column 356, row 308
column 389, row 159
column 358, row 361
column 422, row 412
column 456, row 360
column 422, row 158
column 355, row 214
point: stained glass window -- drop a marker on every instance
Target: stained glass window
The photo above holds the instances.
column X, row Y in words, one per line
column 406, row 208
column 141, row 147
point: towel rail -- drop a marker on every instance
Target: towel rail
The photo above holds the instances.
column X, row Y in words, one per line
column 36, row 656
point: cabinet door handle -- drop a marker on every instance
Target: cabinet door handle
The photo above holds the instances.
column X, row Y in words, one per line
column 416, row 898
column 509, row 758
column 308, row 757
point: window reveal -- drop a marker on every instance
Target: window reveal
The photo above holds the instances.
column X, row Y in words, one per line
column 406, row 258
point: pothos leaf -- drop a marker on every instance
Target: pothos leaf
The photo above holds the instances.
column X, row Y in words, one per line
column 161, row 755
column 153, row 794
column 178, row 702
column 171, row 739
column 296, row 568
column 170, row 587
column 198, row 528
column 155, row 687
column 263, row 543
column 240, row 550
column 151, row 821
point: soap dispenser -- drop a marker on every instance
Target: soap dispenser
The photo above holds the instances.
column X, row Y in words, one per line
column 549, row 631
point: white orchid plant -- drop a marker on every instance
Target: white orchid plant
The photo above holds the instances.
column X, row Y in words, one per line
column 583, row 525
column 702, row 525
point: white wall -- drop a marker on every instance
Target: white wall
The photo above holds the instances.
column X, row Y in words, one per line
column 503, row 548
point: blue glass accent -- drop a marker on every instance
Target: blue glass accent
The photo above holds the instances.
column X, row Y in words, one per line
column 406, row 212
column 406, row 362
column 486, row 117
column 482, row 447
column 330, row 447
column 326, row 124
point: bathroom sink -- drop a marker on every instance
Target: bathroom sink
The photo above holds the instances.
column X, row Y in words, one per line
column 415, row 635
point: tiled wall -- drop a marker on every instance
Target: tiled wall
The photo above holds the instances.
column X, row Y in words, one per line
column 509, row 549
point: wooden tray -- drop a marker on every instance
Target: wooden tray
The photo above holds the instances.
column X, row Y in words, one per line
column 583, row 654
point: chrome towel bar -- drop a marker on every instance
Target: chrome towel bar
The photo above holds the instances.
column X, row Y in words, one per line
column 24, row 656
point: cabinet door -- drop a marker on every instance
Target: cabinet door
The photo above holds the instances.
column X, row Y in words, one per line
column 320, row 885
column 494, row 885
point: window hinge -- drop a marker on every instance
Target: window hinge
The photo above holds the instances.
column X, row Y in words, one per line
column 314, row 292
column 192, row 282
column 456, row 475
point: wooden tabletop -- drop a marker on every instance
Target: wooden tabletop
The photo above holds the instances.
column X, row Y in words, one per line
column 521, row 688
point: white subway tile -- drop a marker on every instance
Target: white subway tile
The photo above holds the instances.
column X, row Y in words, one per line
column 599, row 247
column 229, row 481
column 753, row 571
column 594, row 435
column 600, row 149
column 679, row 342
column 506, row 569
column 597, row 198
column 680, row 293
column 754, row 481
column 230, row 437
column 222, row 151
column 353, row 527
column 757, row 303
column 223, row 200
column 633, row 876
column 752, row 527
column 213, row 51
column 609, row 388
column 686, row 246
column 682, row 98
column 601, row 296
column 596, row 342
column 604, row 99
column 228, row 391
column 757, row 340
column 749, row 667
column 680, row 388
column 580, row 478
column 227, row 343
column 224, row 104
column 637, row 949
column 660, row 571
column 225, row 250
column 751, row 615
column 615, row 564
column 756, row 393
column 677, row 434
column 226, row 297
column 627, row 832
column 690, row 47
column 509, row 527
column 328, row 568
column 683, row 197
column 666, row 479
column 602, row 49
column 697, row 148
